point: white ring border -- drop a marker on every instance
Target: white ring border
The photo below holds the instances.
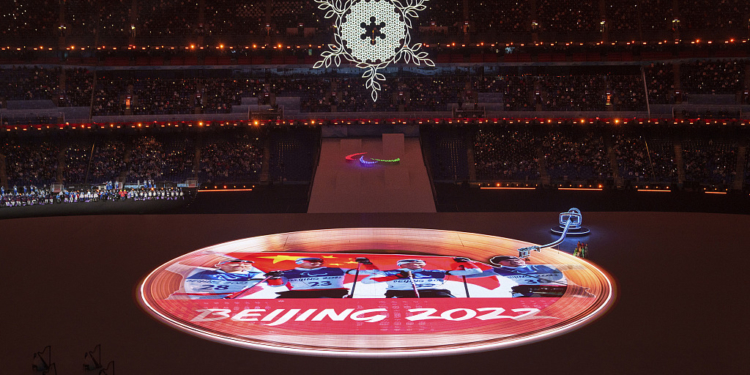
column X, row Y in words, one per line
column 385, row 353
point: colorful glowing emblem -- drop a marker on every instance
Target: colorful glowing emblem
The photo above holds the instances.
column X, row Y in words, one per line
column 375, row 292
column 372, row 161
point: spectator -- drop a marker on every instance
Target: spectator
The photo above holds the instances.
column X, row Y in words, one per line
column 660, row 83
column 506, row 154
column 713, row 77
column 231, row 159
column 571, row 159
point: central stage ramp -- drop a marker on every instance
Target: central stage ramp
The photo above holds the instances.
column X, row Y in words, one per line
column 351, row 186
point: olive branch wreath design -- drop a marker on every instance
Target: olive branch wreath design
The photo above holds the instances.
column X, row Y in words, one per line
column 406, row 52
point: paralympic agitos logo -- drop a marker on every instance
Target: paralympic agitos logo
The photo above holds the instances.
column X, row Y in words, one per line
column 392, row 291
column 370, row 161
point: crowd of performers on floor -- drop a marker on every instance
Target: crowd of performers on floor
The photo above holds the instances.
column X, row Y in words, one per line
column 582, row 250
column 32, row 195
column 411, row 278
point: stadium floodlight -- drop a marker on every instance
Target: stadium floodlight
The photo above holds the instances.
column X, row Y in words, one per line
column 373, row 34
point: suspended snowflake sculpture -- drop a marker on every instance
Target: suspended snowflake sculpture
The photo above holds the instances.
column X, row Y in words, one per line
column 373, row 34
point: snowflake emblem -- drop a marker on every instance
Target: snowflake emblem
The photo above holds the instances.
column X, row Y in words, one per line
column 373, row 34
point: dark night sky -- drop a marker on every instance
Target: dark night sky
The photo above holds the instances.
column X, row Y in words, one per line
column 70, row 282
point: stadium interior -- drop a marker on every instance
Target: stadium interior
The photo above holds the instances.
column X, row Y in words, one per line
column 134, row 131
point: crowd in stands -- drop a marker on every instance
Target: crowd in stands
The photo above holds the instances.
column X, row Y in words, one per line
column 76, row 162
column 623, row 15
column 350, row 95
column 499, row 16
column 31, row 163
column 660, row 83
column 713, row 77
column 506, row 154
column 168, row 18
column 315, row 92
column 656, row 15
column 709, row 162
column 162, row 158
column 230, row 17
column 219, row 96
column 662, row 159
column 29, row 119
column 290, row 14
column 431, row 93
column 513, row 154
column 180, row 18
column 574, row 92
column 79, row 83
column 235, row 159
column 158, row 96
column 145, row 159
column 81, row 17
column 29, row 17
column 627, row 92
column 568, row 15
column 571, row 159
column 632, row 158
column 157, row 92
column 642, row 160
column 29, row 83
column 114, row 17
column 177, row 158
column 108, row 161
column 531, row 153
column 714, row 14
column 441, row 17
column 108, row 96
column 517, row 92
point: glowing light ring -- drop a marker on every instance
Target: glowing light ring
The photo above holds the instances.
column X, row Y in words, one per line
column 396, row 160
column 363, row 161
column 368, row 55
column 456, row 325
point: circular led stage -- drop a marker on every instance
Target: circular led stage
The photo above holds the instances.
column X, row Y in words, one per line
column 375, row 292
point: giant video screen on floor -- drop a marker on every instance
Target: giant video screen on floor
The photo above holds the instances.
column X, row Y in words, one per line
column 376, row 292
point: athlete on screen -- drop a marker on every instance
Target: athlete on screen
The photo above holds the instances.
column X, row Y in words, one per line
column 533, row 280
column 540, row 280
column 411, row 280
column 311, row 279
column 226, row 278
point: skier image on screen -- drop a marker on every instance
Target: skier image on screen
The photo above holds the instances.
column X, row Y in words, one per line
column 311, row 279
column 533, row 280
column 225, row 278
column 412, row 280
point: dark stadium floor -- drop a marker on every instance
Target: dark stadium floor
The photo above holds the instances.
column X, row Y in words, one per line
column 71, row 283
